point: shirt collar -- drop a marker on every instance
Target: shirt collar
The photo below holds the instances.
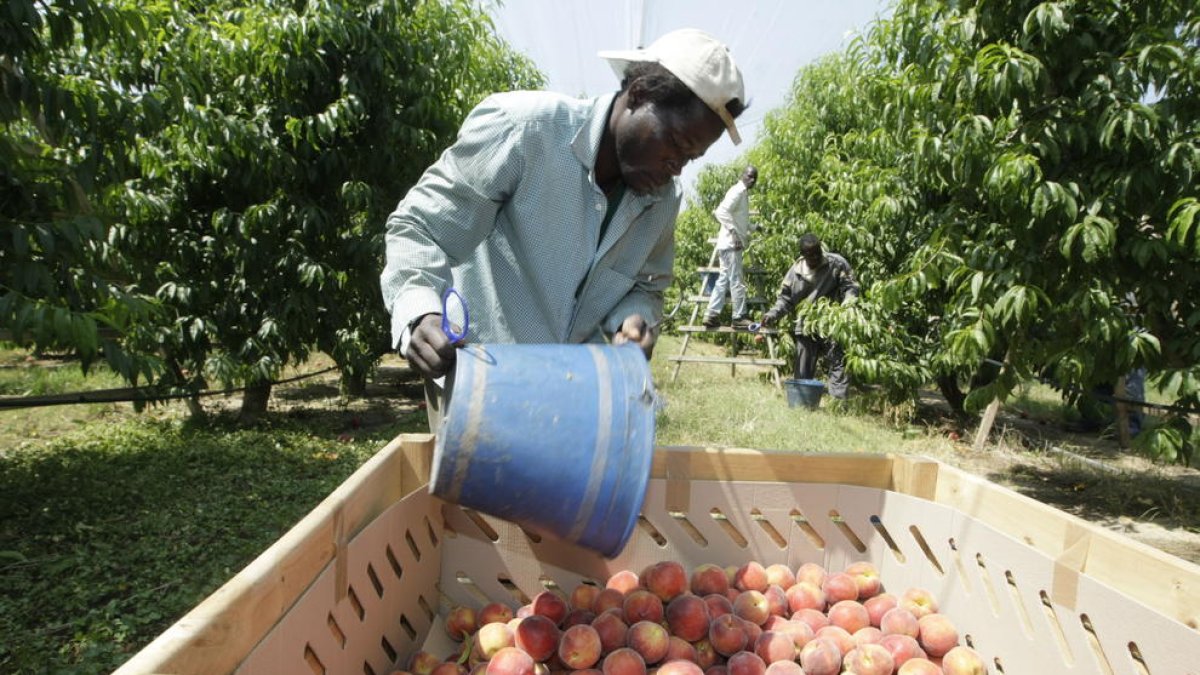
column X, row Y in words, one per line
column 586, row 145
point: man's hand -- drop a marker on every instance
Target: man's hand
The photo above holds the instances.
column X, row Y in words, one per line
column 429, row 350
column 635, row 329
column 768, row 320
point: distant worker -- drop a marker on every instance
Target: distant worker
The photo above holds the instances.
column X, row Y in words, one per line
column 733, row 214
column 816, row 275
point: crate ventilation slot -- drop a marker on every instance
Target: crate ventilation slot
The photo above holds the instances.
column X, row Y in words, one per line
column 999, row 665
column 735, row 535
column 395, row 564
column 513, row 589
column 920, row 539
column 887, row 538
column 408, row 628
column 1139, row 661
column 412, row 545
column 375, row 583
column 367, row 669
column 313, row 661
column 484, row 529
column 356, row 604
column 424, row 605
column 806, row 527
column 847, row 531
column 469, row 586
column 767, row 527
column 1018, row 602
column 688, row 527
column 334, row 629
column 433, row 538
column 532, row 536
column 963, row 579
column 388, row 649
column 1057, row 630
column 1094, row 641
column 651, row 531
column 986, row 581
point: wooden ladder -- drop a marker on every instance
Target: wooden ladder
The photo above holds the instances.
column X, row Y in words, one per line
column 699, row 303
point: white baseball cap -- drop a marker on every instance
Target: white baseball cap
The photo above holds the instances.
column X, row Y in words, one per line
column 700, row 61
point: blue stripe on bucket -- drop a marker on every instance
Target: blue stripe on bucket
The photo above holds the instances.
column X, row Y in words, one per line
column 603, row 439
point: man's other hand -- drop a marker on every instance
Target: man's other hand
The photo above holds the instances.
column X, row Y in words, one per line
column 635, row 329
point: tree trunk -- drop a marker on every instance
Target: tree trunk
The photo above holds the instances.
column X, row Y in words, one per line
column 354, row 384
column 948, row 385
column 254, row 402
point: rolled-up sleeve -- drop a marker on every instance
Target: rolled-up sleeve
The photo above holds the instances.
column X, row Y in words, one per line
column 446, row 215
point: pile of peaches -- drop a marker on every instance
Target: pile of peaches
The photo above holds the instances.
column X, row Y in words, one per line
column 748, row 620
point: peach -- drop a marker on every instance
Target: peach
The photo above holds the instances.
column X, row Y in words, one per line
column 460, row 622
column 844, row 640
column 811, row 572
column 650, row 640
column 783, row 668
column 869, row 659
column 579, row 647
column 550, row 605
column 708, row 579
column 494, row 612
column 422, row 662
column 612, row 629
column 687, row 617
column 866, row 575
column 937, row 634
column 727, row 634
column 623, row 661
column 902, row 648
column 815, row 619
column 849, row 615
column 680, row 667
column 838, row 587
column 642, row 605
column 478, row 669
column 578, row 616
column 717, row 605
column 800, row 632
column 718, row 669
column 746, row 663
column 751, row 577
column 753, row 630
column 920, row 666
column 491, row 638
column 752, row 606
column 899, row 621
column 772, row 646
column 523, row 611
column 666, row 579
column 805, row 595
column 821, row 657
column 963, row 660
column 918, row 601
column 679, row 649
column 777, row 602
column 537, row 636
column 706, row 656
column 867, row 635
column 608, row 598
column 879, row 605
column 780, row 575
column 624, row 581
column 584, row 597
column 510, row 661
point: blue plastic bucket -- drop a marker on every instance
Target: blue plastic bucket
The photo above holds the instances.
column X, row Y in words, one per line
column 806, row 393
column 555, row 438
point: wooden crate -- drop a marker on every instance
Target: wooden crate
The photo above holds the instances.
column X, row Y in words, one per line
column 365, row 578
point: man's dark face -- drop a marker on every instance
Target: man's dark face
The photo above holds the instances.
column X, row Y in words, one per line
column 654, row 143
column 750, row 177
column 814, row 256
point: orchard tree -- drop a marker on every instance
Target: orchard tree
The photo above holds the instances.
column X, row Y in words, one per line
column 290, row 131
column 1016, row 183
column 64, row 133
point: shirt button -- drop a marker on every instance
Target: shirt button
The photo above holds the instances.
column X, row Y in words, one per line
column 599, row 206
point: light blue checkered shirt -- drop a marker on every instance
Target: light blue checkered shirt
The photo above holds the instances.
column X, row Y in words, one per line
column 509, row 215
